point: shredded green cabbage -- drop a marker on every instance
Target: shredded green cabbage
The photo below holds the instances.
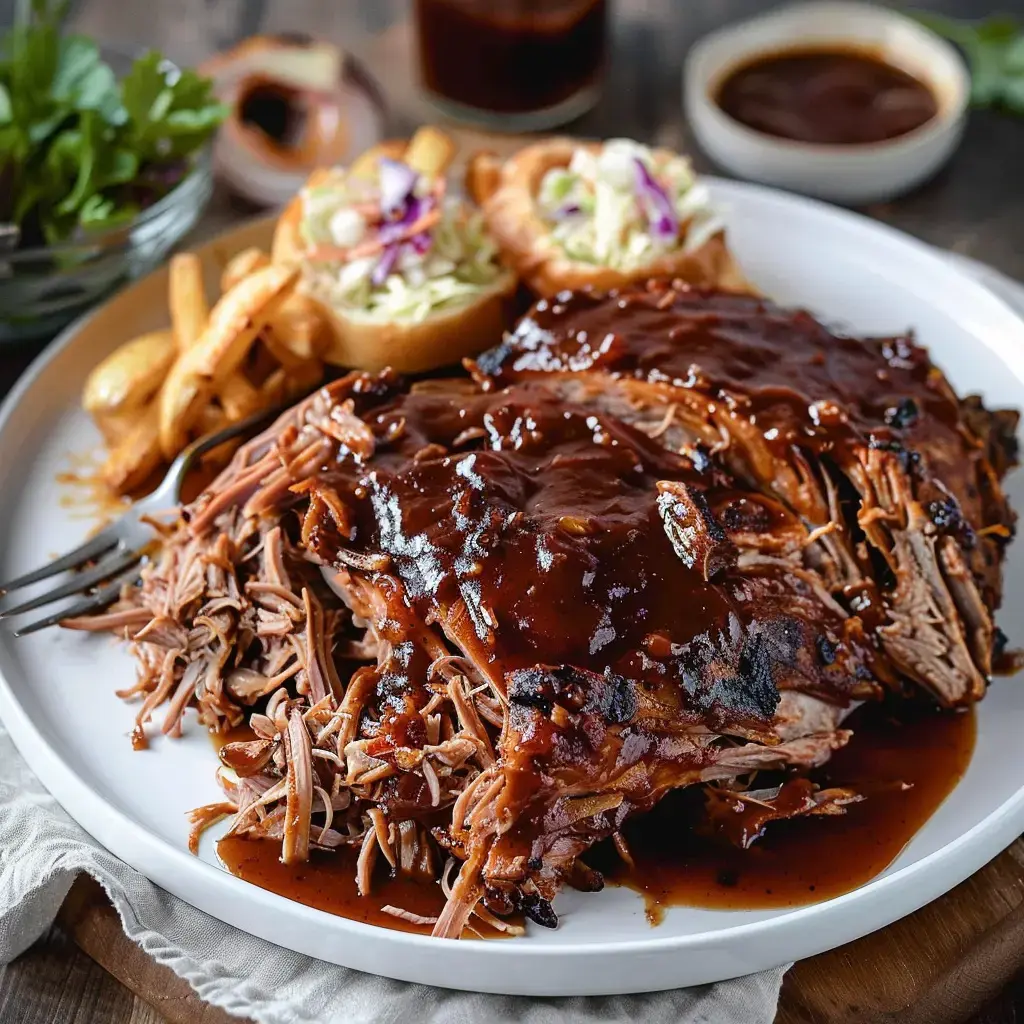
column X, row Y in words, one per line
column 596, row 215
column 459, row 265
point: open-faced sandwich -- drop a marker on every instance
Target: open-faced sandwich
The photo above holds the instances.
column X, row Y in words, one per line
column 405, row 274
column 567, row 214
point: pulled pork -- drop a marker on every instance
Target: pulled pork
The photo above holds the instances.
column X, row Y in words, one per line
column 476, row 625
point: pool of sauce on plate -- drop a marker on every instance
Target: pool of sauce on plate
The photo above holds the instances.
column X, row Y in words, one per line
column 86, row 495
column 835, row 96
column 241, row 733
column 794, row 863
column 327, row 881
column 810, row 859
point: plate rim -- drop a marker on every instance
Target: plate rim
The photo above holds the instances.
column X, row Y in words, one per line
column 984, row 840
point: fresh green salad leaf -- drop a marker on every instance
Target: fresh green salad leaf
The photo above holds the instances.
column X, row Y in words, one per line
column 80, row 150
column 995, row 51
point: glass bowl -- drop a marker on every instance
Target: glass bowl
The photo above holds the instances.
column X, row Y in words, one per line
column 43, row 289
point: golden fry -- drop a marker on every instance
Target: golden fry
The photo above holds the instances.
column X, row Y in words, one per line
column 241, row 265
column 116, row 426
column 283, row 384
column 180, row 404
column 211, row 419
column 237, row 319
column 234, row 324
column 281, row 353
column 135, row 456
column 298, row 327
column 238, row 398
column 130, row 375
column 430, row 152
column 187, row 297
column 274, row 387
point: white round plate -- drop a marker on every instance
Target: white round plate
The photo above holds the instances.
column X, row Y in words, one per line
column 57, row 688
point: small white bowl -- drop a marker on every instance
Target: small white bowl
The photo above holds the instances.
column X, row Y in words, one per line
column 849, row 174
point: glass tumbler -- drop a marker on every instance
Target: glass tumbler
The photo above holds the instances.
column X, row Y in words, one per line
column 512, row 65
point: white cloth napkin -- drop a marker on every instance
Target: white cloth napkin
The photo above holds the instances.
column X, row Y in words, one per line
column 42, row 851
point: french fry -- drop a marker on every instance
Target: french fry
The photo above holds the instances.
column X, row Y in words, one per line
column 234, row 324
column 241, row 265
column 285, row 384
column 115, row 426
column 296, row 326
column 238, row 398
column 130, row 375
column 367, row 164
column 135, row 456
column 211, row 419
column 238, row 318
column 430, row 152
column 187, row 298
column 180, row 405
column 282, row 353
column 274, row 387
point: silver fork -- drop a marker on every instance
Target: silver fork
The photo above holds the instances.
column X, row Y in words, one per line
column 119, row 550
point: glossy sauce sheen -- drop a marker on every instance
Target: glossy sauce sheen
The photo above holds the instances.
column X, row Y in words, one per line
column 328, row 882
column 834, row 97
column 804, row 383
column 811, row 859
column 799, row 384
column 540, row 540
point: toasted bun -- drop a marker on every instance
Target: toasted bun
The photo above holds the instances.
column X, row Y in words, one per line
column 443, row 339
column 507, row 193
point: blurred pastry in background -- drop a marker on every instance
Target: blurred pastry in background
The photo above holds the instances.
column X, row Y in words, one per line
column 571, row 214
column 295, row 104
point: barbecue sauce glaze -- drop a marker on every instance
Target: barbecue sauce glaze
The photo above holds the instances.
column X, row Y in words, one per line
column 796, row 862
column 799, row 385
column 468, row 496
column 826, row 96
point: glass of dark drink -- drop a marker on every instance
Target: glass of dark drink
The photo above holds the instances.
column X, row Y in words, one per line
column 512, row 65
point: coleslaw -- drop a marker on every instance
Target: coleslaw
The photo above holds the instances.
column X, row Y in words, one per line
column 626, row 205
column 397, row 249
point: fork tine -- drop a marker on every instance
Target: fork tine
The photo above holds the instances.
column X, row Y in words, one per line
column 80, row 582
column 103, row 541
column 106, row 595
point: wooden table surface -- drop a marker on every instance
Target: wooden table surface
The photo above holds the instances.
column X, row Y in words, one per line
column 975, row 206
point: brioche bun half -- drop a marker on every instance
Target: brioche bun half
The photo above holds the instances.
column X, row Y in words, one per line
column 365, row 343
column 507, row 194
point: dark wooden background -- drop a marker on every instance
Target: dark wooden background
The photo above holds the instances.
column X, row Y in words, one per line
column 975, row 206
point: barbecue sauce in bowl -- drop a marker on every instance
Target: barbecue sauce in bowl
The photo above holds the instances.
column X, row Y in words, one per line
column 828, row 96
